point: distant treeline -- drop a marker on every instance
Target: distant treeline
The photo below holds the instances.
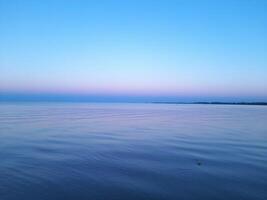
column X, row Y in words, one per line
column 234, row 103
column 217, row 103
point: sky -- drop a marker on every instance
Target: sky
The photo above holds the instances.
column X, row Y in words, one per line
column 133, row 50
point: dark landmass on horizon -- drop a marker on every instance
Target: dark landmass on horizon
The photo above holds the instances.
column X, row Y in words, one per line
column 217, row 103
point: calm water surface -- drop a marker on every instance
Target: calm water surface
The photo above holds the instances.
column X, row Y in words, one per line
column 83, row 151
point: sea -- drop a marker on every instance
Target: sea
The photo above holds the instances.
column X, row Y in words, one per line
column 132, row 151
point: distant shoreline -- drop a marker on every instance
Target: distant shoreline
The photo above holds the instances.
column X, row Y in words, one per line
column 217, row 103
column 154, row 102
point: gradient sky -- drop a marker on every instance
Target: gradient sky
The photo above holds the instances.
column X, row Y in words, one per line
column 178, row 50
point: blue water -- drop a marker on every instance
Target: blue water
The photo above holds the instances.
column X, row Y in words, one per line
column 54, row 151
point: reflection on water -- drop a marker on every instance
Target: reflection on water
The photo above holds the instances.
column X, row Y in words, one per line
column 132, row 151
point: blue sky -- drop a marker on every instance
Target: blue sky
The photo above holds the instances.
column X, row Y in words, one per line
column 155, row 50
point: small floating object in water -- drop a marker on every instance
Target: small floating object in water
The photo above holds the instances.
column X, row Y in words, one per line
column 199, row 162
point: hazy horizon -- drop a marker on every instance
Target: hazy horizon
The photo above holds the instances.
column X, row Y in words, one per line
column 49, row 97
